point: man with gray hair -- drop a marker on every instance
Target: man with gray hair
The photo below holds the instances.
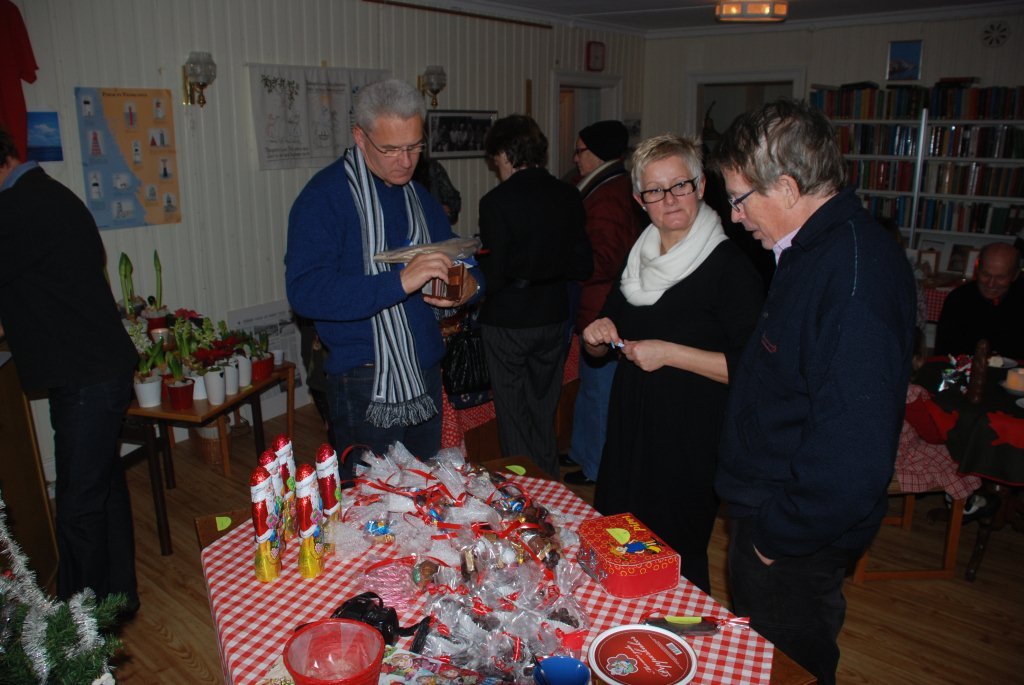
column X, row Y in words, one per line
column 816, row 404
column 382, row 338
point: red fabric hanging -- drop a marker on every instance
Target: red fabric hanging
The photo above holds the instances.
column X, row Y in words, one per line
column 17, row 65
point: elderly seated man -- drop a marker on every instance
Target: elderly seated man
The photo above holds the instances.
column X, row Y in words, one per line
column 990, row 307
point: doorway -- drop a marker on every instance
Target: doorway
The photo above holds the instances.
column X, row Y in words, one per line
column 582, row 99
column 718, row 104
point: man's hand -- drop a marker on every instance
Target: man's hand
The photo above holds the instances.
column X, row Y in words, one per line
column 422, row 268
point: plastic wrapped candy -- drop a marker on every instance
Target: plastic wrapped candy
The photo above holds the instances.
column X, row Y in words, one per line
column 268, row 460
column 282, row 446
column 308, row 517
column 267, row 560
column 328, row 479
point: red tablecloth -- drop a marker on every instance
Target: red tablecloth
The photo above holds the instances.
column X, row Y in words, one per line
column 253, row 619
column 933, row 301
column 455, row 422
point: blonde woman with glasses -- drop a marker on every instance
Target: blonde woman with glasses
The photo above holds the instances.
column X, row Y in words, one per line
column 686, row 303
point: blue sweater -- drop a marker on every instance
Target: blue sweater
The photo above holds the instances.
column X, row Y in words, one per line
column 324, row 269
column 816, row 403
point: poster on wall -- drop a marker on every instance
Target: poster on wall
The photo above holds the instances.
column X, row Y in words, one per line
column 302, row 116
column 129, row 159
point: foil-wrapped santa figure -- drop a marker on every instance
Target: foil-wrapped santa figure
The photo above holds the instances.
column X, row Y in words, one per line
column 268, row 460
column 282, row 446
column 265, row 520
column 328, row 478
column 308, row 519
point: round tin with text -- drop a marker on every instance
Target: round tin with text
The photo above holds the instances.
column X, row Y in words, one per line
column 642, row 655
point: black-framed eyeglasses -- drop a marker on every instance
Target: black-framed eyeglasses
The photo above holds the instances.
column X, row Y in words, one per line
column 737, row 203
column 579, row 151
column 392, row 151
column 681, row 189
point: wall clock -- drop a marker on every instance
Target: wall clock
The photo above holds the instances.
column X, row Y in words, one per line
column 595, row 55
column 995, row 34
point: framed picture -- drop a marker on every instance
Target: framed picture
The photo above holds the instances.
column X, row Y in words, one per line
column 904, row 61
column 458, row 133
column 972, row 262
column 958, row 259
column 929, row 261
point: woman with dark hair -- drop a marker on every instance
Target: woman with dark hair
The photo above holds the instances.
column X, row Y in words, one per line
column 534, row 242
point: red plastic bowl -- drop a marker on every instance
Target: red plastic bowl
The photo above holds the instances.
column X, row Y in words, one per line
column 334, row 651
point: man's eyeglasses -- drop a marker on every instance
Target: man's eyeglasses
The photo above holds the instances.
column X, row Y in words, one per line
column 737, row 203
column 579, row 151
column 681, row 189
column 392, row 151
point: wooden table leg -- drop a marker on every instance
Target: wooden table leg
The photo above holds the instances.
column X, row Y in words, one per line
column 225, row 444
column 159, row 504
column 167, row 447
column 257, row 424
column 291, row 403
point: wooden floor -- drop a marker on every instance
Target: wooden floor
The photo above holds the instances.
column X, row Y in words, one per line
column 920, row 632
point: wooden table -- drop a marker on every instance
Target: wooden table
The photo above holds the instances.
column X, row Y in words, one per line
column 785, row 671
column 200, row 413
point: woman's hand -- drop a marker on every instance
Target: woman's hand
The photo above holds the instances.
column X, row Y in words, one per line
column 601, row 333
column 649, row 355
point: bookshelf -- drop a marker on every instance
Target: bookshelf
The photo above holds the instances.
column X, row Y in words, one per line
column 946, row 164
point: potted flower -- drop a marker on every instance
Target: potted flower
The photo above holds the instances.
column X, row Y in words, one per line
column 131, row 304
column 179, row 389
column 262, row 360
column 148, row 384
column 155, row 311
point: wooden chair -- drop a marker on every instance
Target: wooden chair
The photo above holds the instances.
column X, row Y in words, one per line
column 905, row 520
column 213, row 526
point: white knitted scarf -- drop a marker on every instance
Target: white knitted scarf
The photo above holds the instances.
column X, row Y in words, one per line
column 399, row 397
column 649, row 273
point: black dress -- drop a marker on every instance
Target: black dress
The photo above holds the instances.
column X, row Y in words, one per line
column 663, row 426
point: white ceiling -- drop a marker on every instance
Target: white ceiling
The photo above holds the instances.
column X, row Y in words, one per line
column 659, row 17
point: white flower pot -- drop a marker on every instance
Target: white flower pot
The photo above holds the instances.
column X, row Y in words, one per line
column 244, row 371
column 199, row 389
column 215, row 386
column 148, row 391
column 231, row 379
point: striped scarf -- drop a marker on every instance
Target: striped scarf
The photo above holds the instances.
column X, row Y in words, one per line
column 399, row 397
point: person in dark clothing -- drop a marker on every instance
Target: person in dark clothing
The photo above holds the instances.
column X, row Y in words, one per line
column 681, row 312
column 432, row 176
column 531, row 226
column 817, row 399
column 990, row 307
column 51, row 282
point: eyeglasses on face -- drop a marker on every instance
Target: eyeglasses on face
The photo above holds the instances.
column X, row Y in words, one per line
column 579, row 151
column 393, row 151
column 737, row 203
column 681, row 189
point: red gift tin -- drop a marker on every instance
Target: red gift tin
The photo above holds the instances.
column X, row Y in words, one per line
column 625, row 556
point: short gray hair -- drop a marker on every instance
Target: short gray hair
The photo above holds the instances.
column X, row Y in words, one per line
column 662, row 147
column 785, row 137
column 390, row 98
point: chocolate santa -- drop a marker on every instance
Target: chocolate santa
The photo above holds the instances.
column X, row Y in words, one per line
column 285, row 525
column 264, row 520
column 282, row 446
column 328, row 479
column 308, row 517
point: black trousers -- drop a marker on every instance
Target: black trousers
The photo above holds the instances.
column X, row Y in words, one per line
column 796, row 602
column 95, row 542
column 526, row 366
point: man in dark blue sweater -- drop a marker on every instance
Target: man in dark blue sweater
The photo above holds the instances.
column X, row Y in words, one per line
column 816, row 404
column 383, row 342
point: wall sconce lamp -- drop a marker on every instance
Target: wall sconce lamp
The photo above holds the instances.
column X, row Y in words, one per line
column 770, row 10
column 197, row 73
column 432, row 81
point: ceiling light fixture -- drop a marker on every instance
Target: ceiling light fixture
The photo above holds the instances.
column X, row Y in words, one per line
column 767, row 10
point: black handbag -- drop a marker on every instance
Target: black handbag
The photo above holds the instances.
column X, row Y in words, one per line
column 464, row 369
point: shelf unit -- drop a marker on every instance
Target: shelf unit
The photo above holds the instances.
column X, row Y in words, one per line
column 946, row 164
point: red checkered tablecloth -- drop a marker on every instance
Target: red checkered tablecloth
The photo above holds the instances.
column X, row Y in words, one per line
column 933, row 301
column 253, row 619
column 456, row 422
